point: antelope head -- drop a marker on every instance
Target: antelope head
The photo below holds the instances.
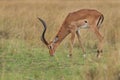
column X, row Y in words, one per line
column 50, row 45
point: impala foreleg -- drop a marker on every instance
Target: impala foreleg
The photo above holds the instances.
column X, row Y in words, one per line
column 80, row 42
column 72, row 43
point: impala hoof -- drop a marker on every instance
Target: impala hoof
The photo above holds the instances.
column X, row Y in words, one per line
column 70, row 55
column 84, row 55
column 98, row 56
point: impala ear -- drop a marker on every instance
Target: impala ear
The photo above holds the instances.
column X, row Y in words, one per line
column 55, row 40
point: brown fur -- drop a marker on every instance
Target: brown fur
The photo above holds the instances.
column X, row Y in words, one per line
column 71, row 24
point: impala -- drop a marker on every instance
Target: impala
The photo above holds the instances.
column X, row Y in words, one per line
column 81, row 19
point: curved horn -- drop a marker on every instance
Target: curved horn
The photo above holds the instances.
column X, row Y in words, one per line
column 43, row 34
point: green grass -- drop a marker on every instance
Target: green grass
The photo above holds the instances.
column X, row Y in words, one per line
column 18, row 61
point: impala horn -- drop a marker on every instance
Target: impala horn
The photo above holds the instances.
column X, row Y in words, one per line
column 43, row 34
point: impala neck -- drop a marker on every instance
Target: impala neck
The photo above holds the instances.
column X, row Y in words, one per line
column 63, row 32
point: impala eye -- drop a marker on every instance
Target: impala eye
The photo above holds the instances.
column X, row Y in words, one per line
column 50, row 47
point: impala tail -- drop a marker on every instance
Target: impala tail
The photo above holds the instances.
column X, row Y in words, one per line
column 44, row 31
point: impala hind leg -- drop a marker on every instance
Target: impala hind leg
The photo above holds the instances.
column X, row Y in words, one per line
column 100, row 46
column 80, row 43
column 100, row 37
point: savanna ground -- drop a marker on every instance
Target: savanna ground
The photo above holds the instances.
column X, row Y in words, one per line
column 24, row 57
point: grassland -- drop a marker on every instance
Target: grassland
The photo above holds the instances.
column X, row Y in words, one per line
column 24, row 57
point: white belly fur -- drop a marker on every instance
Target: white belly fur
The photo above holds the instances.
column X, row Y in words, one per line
column 84, row 26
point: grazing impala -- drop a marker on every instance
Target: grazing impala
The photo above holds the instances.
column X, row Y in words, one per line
column 81, row 19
